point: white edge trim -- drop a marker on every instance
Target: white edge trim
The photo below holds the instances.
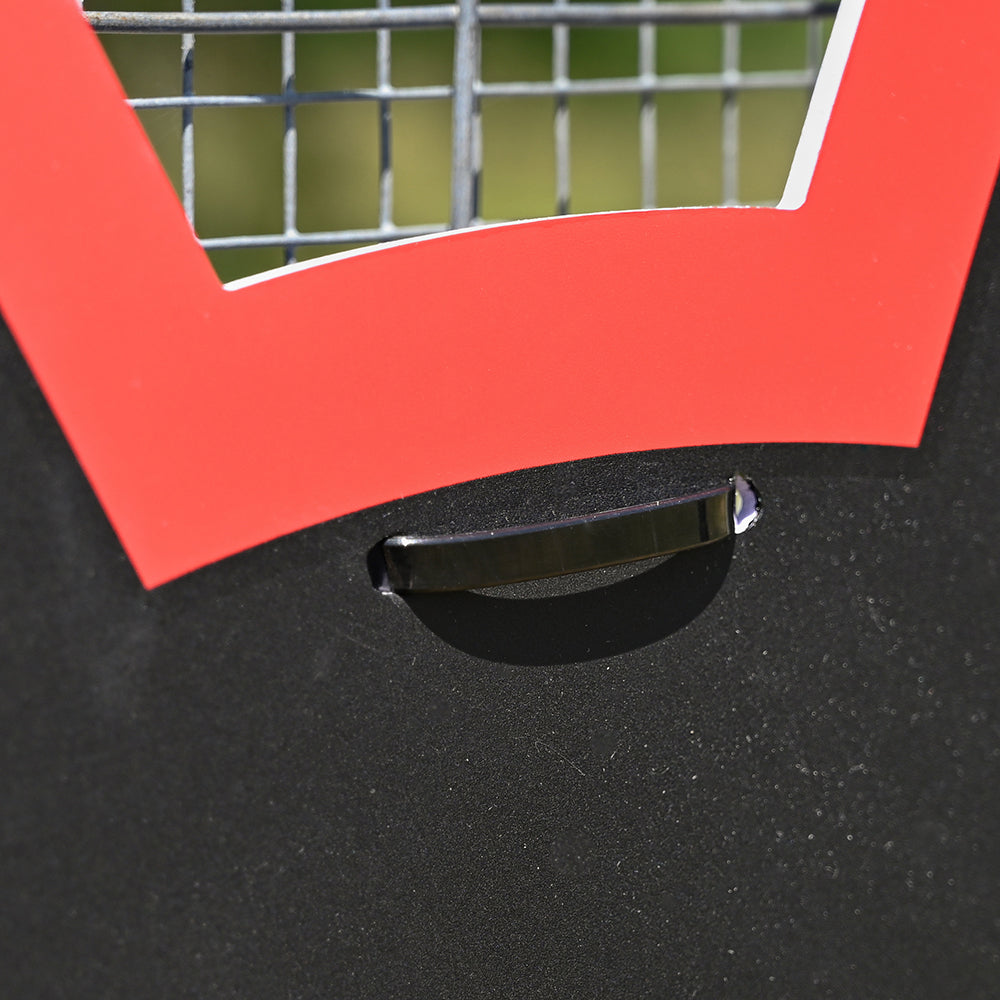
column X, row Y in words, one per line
column 831, row 72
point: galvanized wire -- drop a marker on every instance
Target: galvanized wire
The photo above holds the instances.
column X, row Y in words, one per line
column 187, row 118
column 467, row 90
column 677, row 83
column 519, row 15
column 290, row 139
column 383, row 58
column 561, row 122
column 731, row 37
column 647, row 110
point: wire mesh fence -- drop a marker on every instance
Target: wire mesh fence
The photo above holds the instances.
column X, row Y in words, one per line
column 382, row 123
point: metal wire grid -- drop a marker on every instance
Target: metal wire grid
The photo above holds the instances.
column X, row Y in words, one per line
column 467, row 18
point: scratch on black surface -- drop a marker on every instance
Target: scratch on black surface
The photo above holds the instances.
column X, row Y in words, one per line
column 562, row 757
column 358, row 642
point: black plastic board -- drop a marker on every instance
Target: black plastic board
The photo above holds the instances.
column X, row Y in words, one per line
column 766, row 769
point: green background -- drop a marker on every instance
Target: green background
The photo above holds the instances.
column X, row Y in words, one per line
column 239, row 150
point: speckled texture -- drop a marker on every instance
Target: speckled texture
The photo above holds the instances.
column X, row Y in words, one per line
column 765, row 769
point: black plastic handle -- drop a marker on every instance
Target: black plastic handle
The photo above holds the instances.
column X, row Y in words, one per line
column 435, row 563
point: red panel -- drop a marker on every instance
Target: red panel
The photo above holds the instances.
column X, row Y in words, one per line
column 210, row 420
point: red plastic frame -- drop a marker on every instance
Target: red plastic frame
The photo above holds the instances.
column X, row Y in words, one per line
column 210, row 420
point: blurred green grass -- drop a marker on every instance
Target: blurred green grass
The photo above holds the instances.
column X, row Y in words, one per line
column 238, row 150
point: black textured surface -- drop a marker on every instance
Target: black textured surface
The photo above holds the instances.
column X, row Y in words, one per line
column 766, row 769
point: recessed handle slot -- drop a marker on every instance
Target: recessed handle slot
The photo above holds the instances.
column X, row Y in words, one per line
column 435, row 563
